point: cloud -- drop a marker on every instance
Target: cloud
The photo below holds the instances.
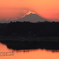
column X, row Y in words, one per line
column 13, row 9
column 12, row 13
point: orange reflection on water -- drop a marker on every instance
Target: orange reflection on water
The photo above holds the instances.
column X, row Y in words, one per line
column 30, row 54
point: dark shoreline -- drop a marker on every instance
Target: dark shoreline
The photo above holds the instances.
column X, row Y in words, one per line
column 21, row 45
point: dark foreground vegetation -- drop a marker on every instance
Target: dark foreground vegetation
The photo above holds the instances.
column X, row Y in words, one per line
column 16, row 35
column 39, row 29
column 21, row 44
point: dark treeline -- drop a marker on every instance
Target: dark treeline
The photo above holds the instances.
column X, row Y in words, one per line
column 39, row 29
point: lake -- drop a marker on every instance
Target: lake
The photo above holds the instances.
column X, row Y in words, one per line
column 6, row 53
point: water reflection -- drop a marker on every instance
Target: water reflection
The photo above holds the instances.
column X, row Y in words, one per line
column 28, row 54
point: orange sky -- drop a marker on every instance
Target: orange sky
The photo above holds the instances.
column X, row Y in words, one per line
column 14, row 9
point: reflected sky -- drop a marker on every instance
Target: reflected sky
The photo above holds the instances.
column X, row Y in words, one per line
column 29, row 54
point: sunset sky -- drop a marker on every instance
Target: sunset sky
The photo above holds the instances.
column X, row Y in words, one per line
column 15, row 9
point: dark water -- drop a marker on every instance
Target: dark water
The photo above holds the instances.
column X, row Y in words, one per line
column 27, row 54
column 19, row 45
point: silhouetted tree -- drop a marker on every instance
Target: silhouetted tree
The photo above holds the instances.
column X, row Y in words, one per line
column 41, row 29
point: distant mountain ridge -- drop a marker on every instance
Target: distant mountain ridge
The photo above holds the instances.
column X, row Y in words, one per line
column 32, row 18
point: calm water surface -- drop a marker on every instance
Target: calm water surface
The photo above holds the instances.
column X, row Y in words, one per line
column 6, row 53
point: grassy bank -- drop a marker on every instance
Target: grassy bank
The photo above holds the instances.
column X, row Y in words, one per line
column 29, row 38
column 19, row 43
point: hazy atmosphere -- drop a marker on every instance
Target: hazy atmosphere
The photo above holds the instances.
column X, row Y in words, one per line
column 15, row 9
column 29, row 29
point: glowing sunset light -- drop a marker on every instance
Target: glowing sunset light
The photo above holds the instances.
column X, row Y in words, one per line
column 12, row 9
